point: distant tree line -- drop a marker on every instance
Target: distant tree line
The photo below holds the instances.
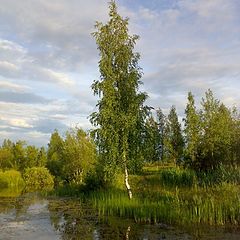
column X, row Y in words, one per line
column 19, row 156
column 209, row 137
column 204, row 140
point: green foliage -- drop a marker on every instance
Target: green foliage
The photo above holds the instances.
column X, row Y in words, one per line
column 174, row 140
column 42, row 157
column 38, row 179
column 212, row 134
column 54, row 154
column 31, row 153
column 151, row 141
column 178, row 177
column 10, row 179
column 120, row 109
column 6, row 158
column 161, row 122
column 223, row 174
column 155, row 138
column 93, row 181
column 191, row 131
column 216, row 133
column 70, row 159
column 79, row 156
column 19, row 156
column 174, row 203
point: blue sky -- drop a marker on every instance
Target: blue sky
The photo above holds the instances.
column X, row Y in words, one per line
column 48, row 58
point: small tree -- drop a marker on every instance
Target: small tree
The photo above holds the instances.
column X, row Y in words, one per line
column 31, row 157
column 152, row 141
column 42, row 157
column 54, row 154
column 161, row 121
column 120, row 106
column 19, row 153
column 192, row 131
column 216, row 133
column 174, row 140
column 79, row 156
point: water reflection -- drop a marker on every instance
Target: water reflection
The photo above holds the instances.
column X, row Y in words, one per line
column 34, row 217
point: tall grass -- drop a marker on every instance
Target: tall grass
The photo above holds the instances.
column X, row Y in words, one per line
column 174, row 196
column 174, row 209
column 178, row 177
column 170, row 195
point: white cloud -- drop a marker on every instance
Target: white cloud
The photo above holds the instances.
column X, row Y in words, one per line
column 4, row 65
column 13, row 86
column 22, row 123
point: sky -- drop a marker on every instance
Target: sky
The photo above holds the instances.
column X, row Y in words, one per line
column 49, row 59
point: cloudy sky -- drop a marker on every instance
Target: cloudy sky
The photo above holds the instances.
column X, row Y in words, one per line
column 48, row 58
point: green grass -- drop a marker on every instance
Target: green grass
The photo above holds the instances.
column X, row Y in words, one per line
column 173, row 196
column 168, row 194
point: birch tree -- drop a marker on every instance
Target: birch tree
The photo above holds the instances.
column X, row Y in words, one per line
column 191, row 131
column 120, row 103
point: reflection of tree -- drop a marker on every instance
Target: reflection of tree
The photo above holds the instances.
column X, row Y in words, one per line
column 119, row 228
column 19, row 204
column 72, row 219
column 10, row 192
column 22, row 203
column 128, row 232
column 6, row 204
column 75, row 220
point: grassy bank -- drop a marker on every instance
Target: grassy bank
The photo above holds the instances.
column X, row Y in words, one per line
column 172, row 195
column 162, row 194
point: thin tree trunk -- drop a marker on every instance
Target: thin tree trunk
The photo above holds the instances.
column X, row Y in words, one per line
column 127, row 183
column 126, row 170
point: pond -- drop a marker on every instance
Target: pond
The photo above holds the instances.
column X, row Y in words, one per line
column 32, row 216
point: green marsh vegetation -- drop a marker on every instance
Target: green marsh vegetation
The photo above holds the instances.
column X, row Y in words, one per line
column 137, row 162
column 175, row 196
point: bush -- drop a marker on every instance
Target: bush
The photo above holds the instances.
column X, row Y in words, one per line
column 93, row 182
column 38, row 178
column 10, row 179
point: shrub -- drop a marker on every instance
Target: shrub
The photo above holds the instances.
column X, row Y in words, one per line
column 10, row 179
column 38, row 178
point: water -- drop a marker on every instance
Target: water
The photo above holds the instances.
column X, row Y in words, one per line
column 33, row 217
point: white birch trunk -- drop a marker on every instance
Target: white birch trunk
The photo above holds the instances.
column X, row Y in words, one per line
column 127, row 183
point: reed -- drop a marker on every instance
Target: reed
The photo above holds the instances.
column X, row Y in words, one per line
column 172, row 196
column 168, row 195
column 177, row 209
column 178, row 177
